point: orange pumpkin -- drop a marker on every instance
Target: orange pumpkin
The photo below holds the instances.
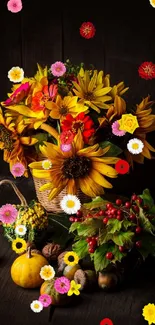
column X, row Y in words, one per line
column 25, row 270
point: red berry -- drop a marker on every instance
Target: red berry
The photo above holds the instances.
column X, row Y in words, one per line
column 113, row 211
column 88, row 215
column 121, row 249
column 109, row 256
column 76, row 219
column 139, row 200
column 134, row 197
column 118, row 202
column 128, row 205
column 109, row 205
column 92, row 242
column 101, row 213
column 119, row 217
column 88, row 239
column 136, row 208
column 105, row 220
column 71, row 219
column 119, row 212
column 97, row 238
column 79, row 213
column 132, row 217
column 91, row 250
column 138, row 244
column 138, row 230
column 111, row 216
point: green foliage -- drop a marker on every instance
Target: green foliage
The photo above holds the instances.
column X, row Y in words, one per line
column 114, row 151
column 114, row 225
column 117, row 254
column 100, row 260
column 148, row 245
column 145, row 222
column 147, row 198
column 81, row 248
column 104, row 236
column 74, row 226
column 41, row 137
column 126, row 224
column 123, row 238
column 89, row 227
column 98, row 202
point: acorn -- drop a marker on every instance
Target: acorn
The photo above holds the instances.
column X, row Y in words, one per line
column 107, row 281
column 51, row 251
column 69, row 271
column 86, row 278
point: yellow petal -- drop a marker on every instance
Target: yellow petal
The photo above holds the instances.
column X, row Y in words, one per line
column 45, row 174
column 78, row 141
column 36, row 165
column 28, row 141
column 92, row 82
column 71, row 187
column 104, row 169
column 102, row 91
column 45, row 187
column 99, row 179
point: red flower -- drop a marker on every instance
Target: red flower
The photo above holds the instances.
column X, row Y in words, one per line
column 41, row 97
column 106, row 321
column 66, row 137
column 122, row 167
column 147, row 70
column 87, row 30
column 82, row 122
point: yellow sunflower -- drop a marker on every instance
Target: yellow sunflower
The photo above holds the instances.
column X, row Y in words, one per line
column 71, row 258
column 115, row 111
column 81, row 167
column 146, row 120
column 64, row 106
column 91, row 90
column 19, row 245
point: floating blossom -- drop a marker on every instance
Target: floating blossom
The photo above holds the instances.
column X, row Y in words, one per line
column 14, row 5
column 16, row 74
column 135, row 146
column 71, row 258
column 36, row 306
column 128, row 123
column 8, row 213
column 46, row 300
column 20, row 230
column 147, row 70
column 152, row 3
column 62, row 285
column 106, row 321
column 66, row 137
column 46, row 164
column 149, row 313
column 87, row 30
column 47, row 272
column 18, row 170
column 19, row 245
column 66, row 147
column 58, row 69
column 116, row 129
column 74, row 289
column 70, row 204
column 122, row 167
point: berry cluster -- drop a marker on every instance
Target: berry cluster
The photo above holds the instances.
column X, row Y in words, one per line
column 92, row 244
column 77, row 218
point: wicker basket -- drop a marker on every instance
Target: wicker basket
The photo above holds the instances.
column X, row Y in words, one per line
column 54, row 205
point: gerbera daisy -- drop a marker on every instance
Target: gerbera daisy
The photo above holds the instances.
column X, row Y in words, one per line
column 82, row 122
column 65, row 105
column 106, row 321
column 62, row 285
column 116, row 129
column 8, row 213
column 74, row 289
column 79, row 168
column 46, row 164
column 36, row 306
column 135, row 146
column 18, row 170
column 58, row 69
column 46, row 300
column 14, row 5
column 91, row 90
column 70, row 204
column 16, row 74
column 87, row 30
column 147, row 70
column 19, row 245
column 149, row 313
column 122, row 167
column 47, row 272
column 71, row 258
column 20, row 230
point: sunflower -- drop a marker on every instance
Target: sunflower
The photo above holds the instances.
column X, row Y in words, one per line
column 19, row 245
column 91, row 90
column 71, row 258
column 64, row 106
column 115, row 111
column 81, row 167
column 146, row 120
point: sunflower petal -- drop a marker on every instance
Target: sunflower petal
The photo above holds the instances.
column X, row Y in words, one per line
column 71, row 187
column 99, row 179
column 45, row 174
column 102, row 91
column 46, row 187
column 104, row 169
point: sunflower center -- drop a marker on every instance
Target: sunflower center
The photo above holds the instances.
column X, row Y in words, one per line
column 63, row 110
column 19, row 245
column 76, row 167
column 76, row 126
column 5, row 137
column 71, row 258
column 135, row 146
column 89, row 96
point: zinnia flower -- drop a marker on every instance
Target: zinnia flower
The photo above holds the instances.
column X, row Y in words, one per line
column 16, row 74
column 122, row 167
column 47, row 272
column 46, row 300
column 39, row 99
column 147, row 70
column 58, row 69
column 135, row 146
column 106, row 321
column 116, row 129
column 87, row 30
column 8, row 213
column 66, row 137
column 71, row 258
column 74, row 289
column 79, row 168
column 66, row 147
column 20, row 230
column 62, row 285
column 70, row 204
column 152, row 3
column 36, row 306
column 14, row 5
column 19, row 245
column 18, row 170
column 149, row 313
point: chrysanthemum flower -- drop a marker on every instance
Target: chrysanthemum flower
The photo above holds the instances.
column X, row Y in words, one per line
column 70, row 204
column 46, row 164
column 19, row 245
column 62, row 285
column 14, row 5
column 8, row 213
column 58, row 69
column 135, row 146
column 20, row 230
column 87, row 30
column 46, row 300
column 116, row 129
column 152, row 3
column 18, row 170
column 122, row 167
column 149, row 313
column 71, row 258
column 79, row 168
column 147, row 70
column 74, row 289
column 16, row 74
column 36, row 306
column 47, row 272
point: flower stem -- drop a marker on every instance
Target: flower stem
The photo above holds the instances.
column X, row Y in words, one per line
column 50, row 130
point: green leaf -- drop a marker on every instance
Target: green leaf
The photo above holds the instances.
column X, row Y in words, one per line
column 148, row 245
column 126, row 224
column 114, row 151
column 145, row 222
column 98, row 202
column 113, row 226
column 104, row 236
column 152, row 210
column 89, row 227
column 81, row 248
column 123, row 238
column 31, row 235
column 100, row 260
column 147, row 198
column 74, row 226
column 117, row 254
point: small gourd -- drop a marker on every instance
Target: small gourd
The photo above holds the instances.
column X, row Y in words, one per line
column 25, row 270
column 57, row 299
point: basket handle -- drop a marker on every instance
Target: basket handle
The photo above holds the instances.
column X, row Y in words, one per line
column 18, row 193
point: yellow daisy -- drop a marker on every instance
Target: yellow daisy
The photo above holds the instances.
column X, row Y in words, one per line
column 16, row 74
column 19, row 245
column 71, row 258
column 149, row 313
column 74, row 288
column 47, row 272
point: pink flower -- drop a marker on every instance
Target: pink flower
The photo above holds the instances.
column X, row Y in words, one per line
column 46, row 300
column 18, row 170
column 66, row 137
column 58, row 69
column 53, row 89
column 18, row 95
column 8, row 213
column 62, row 285
column 65, row 147
column 14, row 5
column 116, row 131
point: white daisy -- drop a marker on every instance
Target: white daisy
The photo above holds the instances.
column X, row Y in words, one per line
column 20, row 230
column 70, row 204
column 46, row 164
column 152, row 3
column 47, row 272
column 16, row 74
column 135, row 146
column 36, row 306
